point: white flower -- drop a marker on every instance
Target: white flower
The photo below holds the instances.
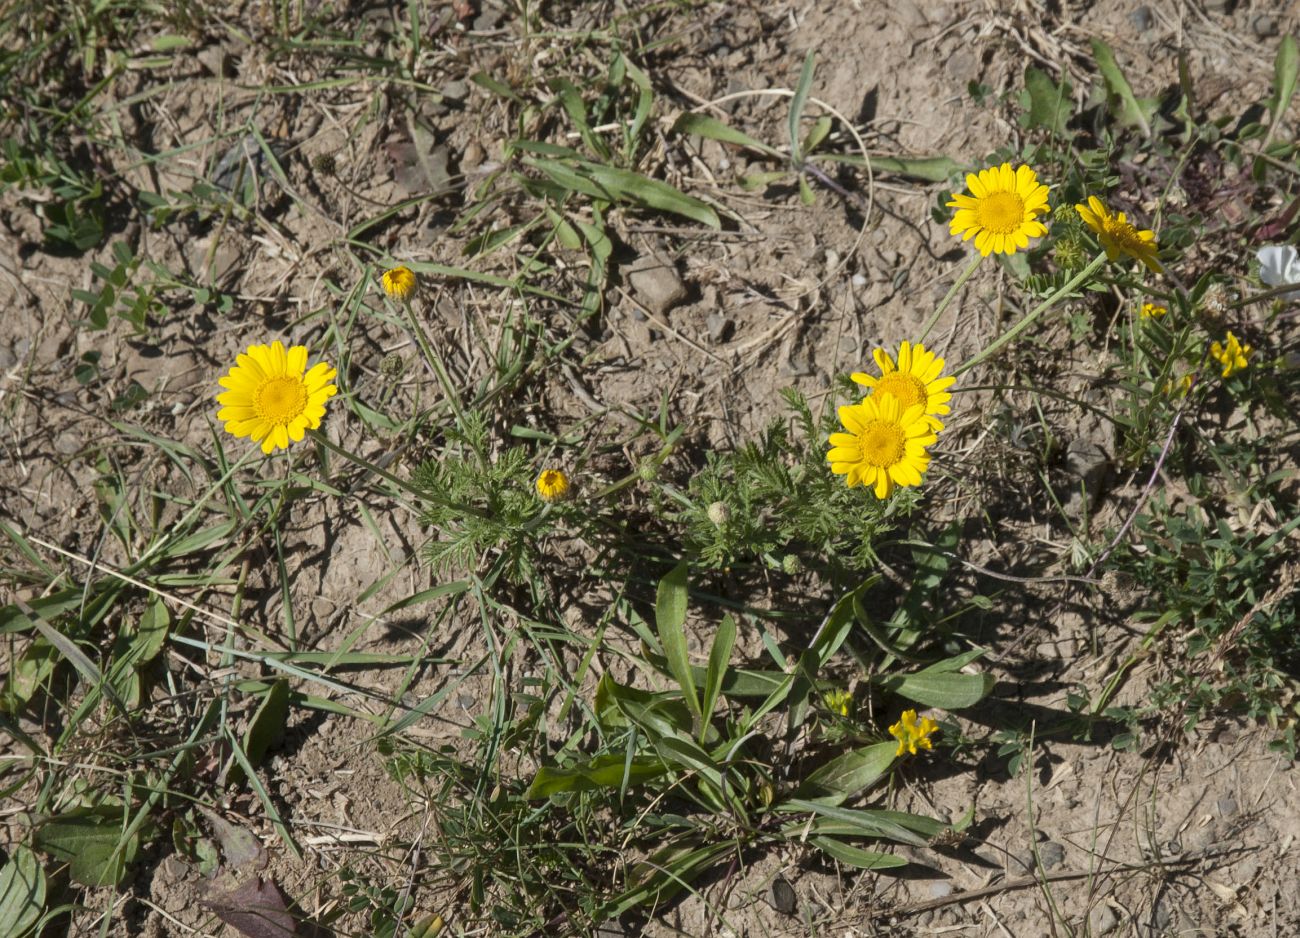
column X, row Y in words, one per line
column 1279, row 265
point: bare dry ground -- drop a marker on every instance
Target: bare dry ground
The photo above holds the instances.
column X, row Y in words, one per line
column 1196, row 838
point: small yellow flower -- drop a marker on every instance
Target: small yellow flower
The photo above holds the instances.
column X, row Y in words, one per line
column 1118, row 236
column 1231, row 355
column 1180, row 388
column 1152, row 311
column 1002, row 209
column 913, row 380
column 271, row 397
column 912, row 735
column 838, row 701
column 552, row 485
column 399, row 283
column 885, row 445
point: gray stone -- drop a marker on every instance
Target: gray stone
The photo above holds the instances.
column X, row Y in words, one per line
column 1101, row 920
column 489, row 19
column 781, row 896
column 1226, row 806
column 1051, row 854
column 656, row 283
column 1264, row 26
column 455, row 90
column 1142, row 18
column 720, row 327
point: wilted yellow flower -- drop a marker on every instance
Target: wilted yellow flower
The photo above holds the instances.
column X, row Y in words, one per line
column 1118, row 236
column 1181, row 387
column 270, row 396
column 1001, row 211
column 1231, row 355
column 1152, row 311
column 399, row 283
column 912, row 735
column 552, row 485
column 913, row 380
column 885, row 445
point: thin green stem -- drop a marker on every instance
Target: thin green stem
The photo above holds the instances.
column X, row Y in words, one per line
column 1032, row 316
column 948, row 298
column 434, row 360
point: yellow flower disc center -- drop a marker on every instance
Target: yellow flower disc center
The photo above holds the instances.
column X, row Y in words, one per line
column 280, row 400
column 882, row 443
column 1001, row 212
column 908, row 388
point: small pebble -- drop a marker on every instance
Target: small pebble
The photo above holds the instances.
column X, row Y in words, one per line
column 781, row 896
column 455, row 90
column 1142, row 18
column 720, row 327
column 1264, row 26
column 656, row 283
column 940, row 889
column 1226, row 806
column 1101, row 919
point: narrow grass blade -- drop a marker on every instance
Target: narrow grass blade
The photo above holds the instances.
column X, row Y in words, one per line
column 797, row 105
column 670, row 622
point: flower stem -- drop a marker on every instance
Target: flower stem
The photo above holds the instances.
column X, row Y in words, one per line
column 1031, row 317
column 434, row 361
column 948, row 298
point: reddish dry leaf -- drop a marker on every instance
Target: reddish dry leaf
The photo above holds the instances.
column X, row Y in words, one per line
column 258, row 909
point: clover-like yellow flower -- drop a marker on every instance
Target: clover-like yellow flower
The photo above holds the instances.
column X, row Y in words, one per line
column 1231, row 354
column 912, row 735
column 271, row 397
column 838, row 701
column 1002, row 209
column 1152, row 311
column 915, row 379
column 552, row 485
column 1118, row 236
column 399, row 283
column 885, row 445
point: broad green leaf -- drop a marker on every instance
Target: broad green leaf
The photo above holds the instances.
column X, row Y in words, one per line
column 603, row 772
column 719, row 658
column 1045, row 103
column 797, row 106
column 633, row 187
column 947, row 691
column 88, row 840
column 688, row 756
column 848, row 773
column 267, row 725
column 927, row 168
column 856, row 822
column 670, row 622
column 753, row 181
column 22, row 893
column 715, row 129
column 1285, row 69
column 151, row 634
column 454, row 588
column 1131, row 110
column 856, row 856
column 821, row 129
column 918, row 824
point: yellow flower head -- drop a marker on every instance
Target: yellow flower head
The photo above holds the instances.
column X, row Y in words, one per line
column 399, row 283
column 913, row 380
column 1002, row 209
column 912, row 735
column 552, row 485
column 1152, row 311
column 271, row 397
column 1231, row 354
column 885, row 445
column 1118, row 236
column 838, row 701
column 1181, row 387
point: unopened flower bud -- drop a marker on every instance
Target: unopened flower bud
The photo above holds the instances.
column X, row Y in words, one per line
column 719, row 513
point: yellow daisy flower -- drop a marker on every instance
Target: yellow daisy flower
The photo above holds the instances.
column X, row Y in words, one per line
column 885, row 445
column 912, row 735
column 399, row 283
column 915, row 379
column 1152, row 311
column 271, row 397
column 1118, row 236
column 1231, row 354
column 1002, row 209
column 552, row 485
